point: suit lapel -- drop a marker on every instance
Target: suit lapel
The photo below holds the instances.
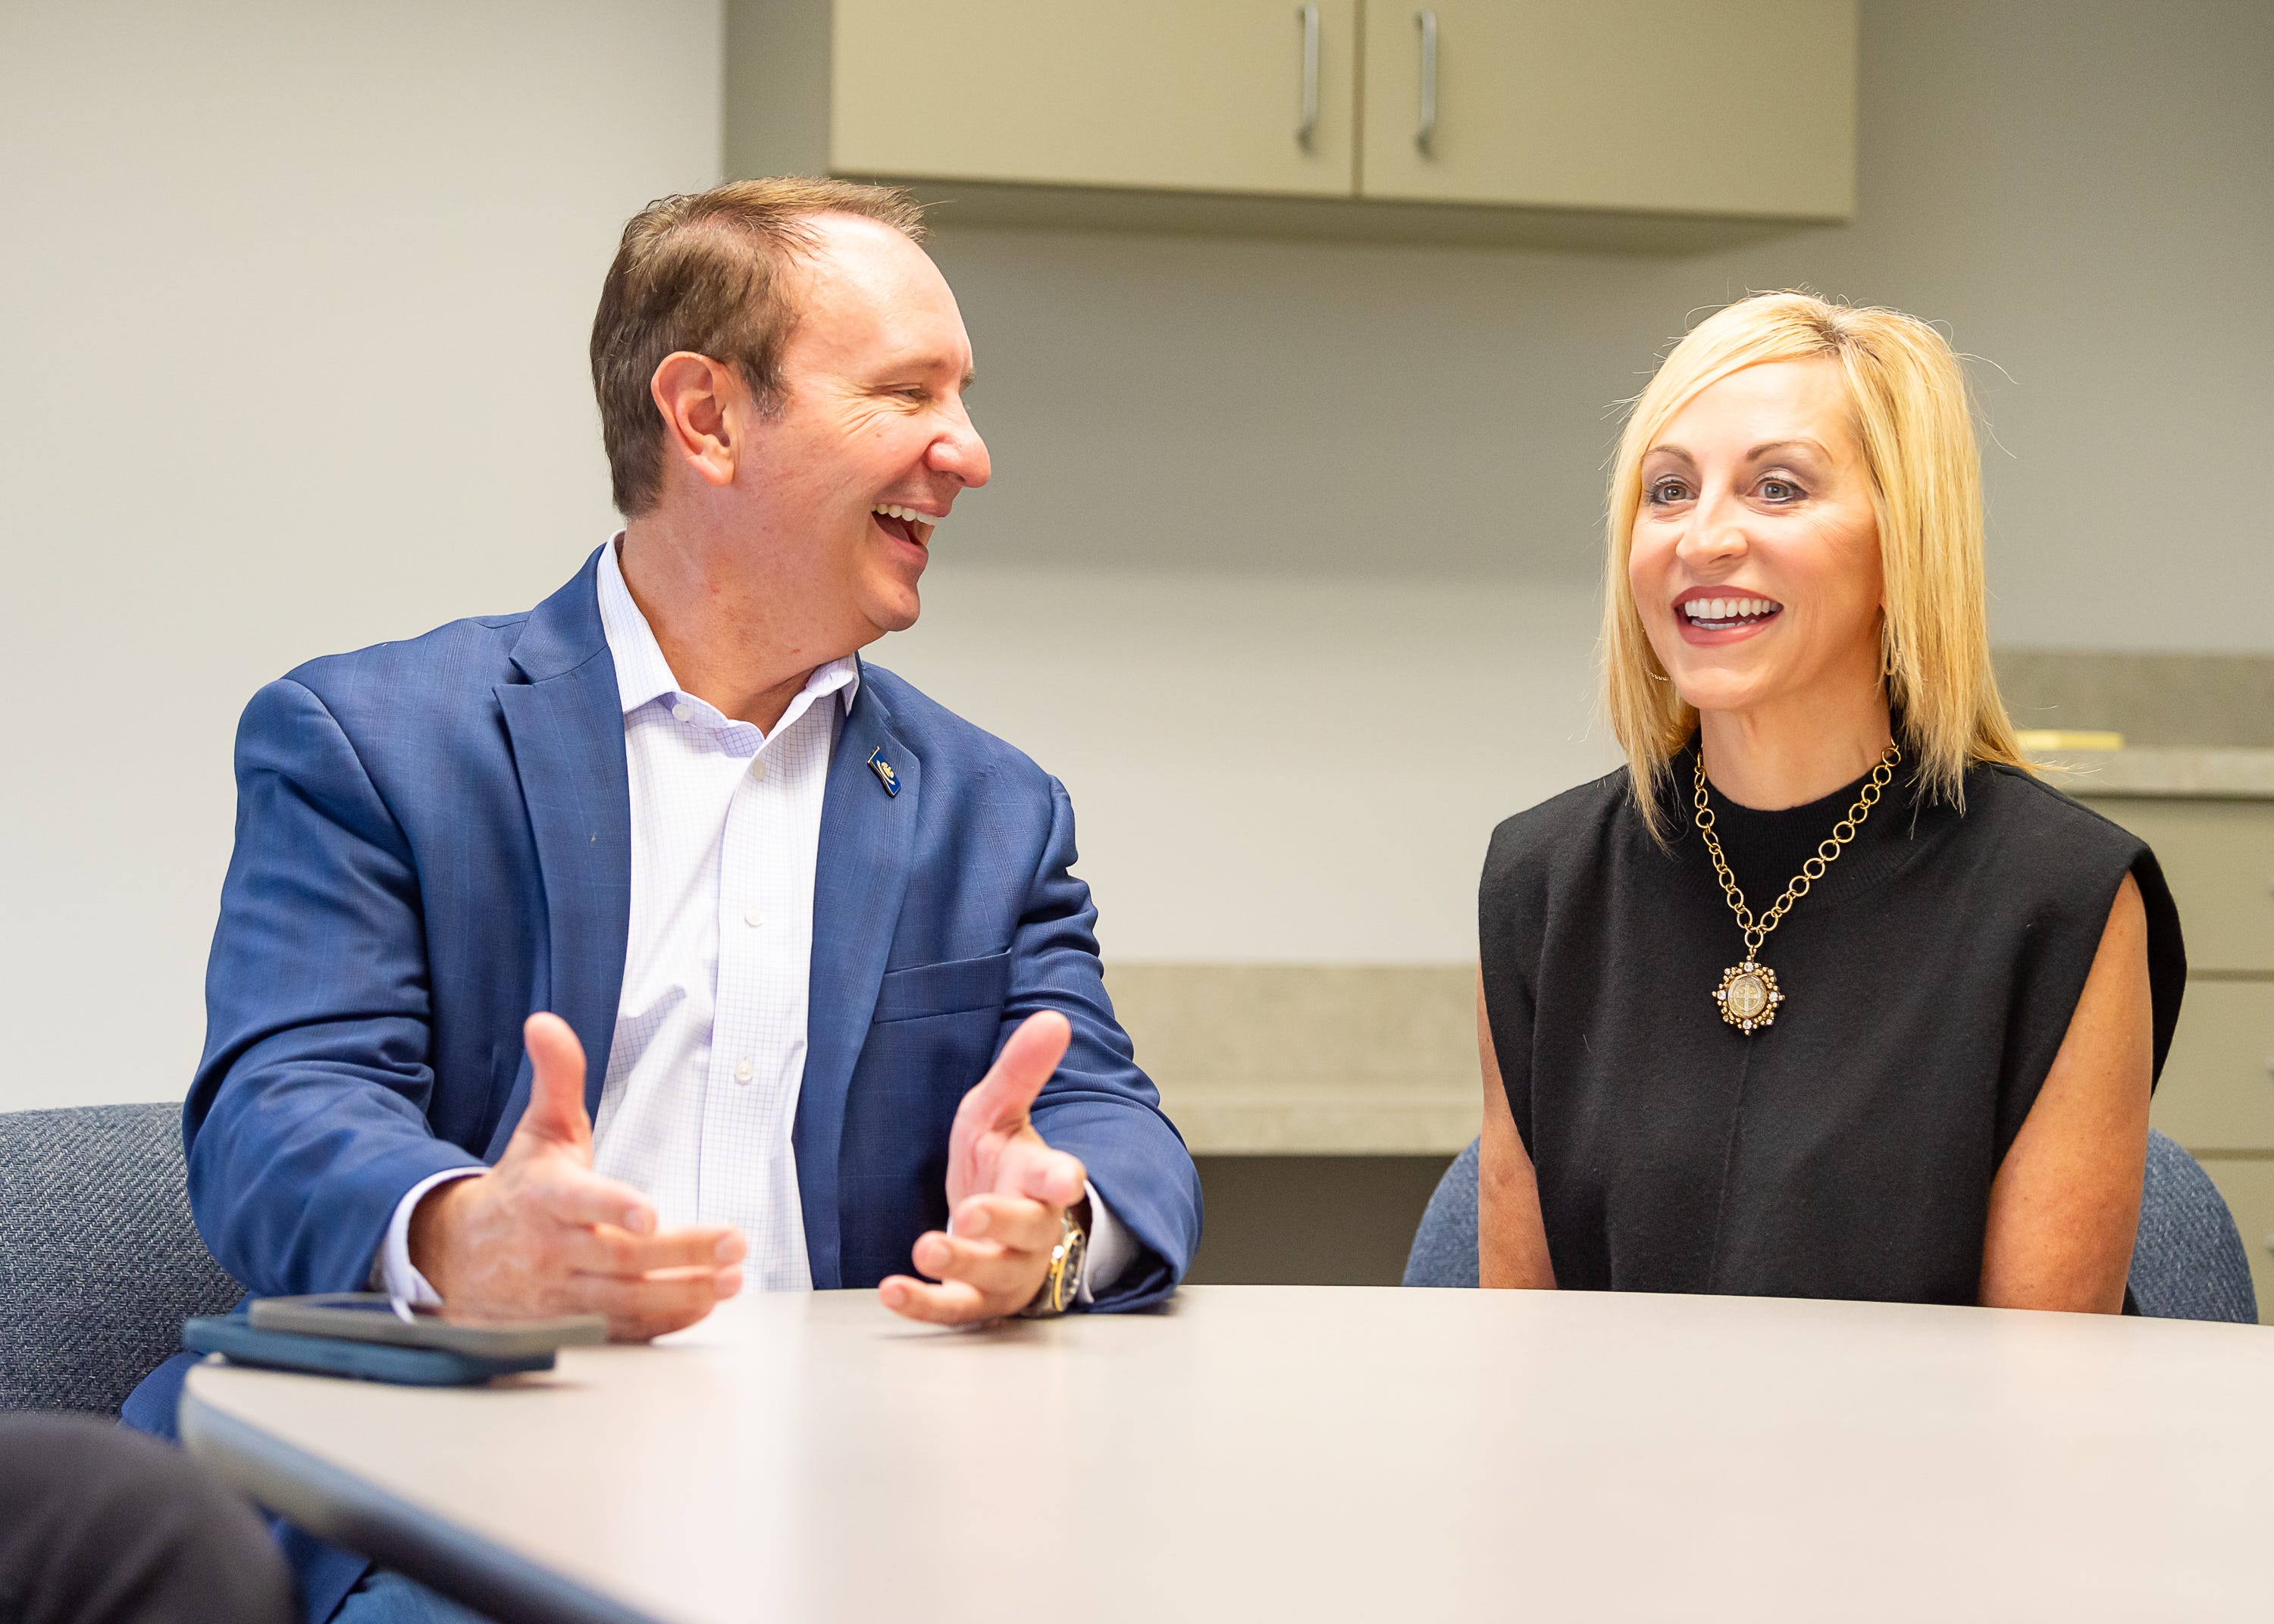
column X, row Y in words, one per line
column 567, row 725
column 868, row 850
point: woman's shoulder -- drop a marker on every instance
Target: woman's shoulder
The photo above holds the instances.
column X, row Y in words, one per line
column 2029, row 814
column 2052, row 858
column 1562, row 830
column 2059, row 863
column 1550, row 850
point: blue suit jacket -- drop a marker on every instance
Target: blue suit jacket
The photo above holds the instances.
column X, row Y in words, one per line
column 433, row 840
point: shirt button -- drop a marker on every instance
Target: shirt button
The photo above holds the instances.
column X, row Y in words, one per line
column 753, row 916
column 744, row 1070
column 759, row 768
column 680, row 713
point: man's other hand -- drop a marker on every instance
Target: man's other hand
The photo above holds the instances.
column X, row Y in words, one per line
column 1007, row 1192
column 542, row 1234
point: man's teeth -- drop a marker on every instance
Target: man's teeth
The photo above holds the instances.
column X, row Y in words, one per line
column 1727, row 608
column 891, row 511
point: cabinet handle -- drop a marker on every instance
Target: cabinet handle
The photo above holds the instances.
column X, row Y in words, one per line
column 1309, row 127
column 1427, row 132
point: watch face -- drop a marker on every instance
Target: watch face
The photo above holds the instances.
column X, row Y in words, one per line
column 1061, row 1287
column 1068, row 1284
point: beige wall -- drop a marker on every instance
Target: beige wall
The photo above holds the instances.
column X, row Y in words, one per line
column 2083, row 194
column 1268, row 769
column 1287, row 569
column 1369, row 478
column 293, row 303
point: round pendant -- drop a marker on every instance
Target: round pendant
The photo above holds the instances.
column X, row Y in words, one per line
column 1748, row 996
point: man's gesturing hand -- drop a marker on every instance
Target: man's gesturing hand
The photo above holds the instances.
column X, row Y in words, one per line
column 1006, row 1193
column 542, row 1234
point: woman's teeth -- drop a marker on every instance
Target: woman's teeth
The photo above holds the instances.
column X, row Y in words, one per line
column 891, row 511
column 1728, row 610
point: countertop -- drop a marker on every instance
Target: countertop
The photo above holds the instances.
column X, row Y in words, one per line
column 2147, row 772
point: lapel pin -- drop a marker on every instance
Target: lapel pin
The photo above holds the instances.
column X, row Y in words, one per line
column 883, row 768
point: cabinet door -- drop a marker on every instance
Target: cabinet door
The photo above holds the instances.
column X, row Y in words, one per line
column 2217, row 1091
column 1742, row 107
column 2218, row 856
column 1174, row 95
column 2248, row 1186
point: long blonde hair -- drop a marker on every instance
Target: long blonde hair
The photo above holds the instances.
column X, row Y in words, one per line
column 1911, row 411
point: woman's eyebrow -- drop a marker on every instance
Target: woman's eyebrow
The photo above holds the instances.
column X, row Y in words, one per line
column 1802, row 443
column 1672, row 451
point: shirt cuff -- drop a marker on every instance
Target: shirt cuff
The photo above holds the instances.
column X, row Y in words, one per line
column 391, row 1270
column 1111, row 1249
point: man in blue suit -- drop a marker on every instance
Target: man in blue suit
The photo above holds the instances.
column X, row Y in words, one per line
column 819, row 1001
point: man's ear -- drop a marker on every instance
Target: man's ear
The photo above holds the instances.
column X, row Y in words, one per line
column 696, row 396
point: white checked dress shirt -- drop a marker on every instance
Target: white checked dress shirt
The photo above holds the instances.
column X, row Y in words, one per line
column 710, row 1041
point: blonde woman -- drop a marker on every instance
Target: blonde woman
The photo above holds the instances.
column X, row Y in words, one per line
column 1823, row 994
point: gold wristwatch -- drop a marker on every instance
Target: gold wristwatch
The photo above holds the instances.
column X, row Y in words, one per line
column 1063, row 1285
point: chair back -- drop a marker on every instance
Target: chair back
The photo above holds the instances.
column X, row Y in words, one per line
column 100, row 1262
column 2187, row 1260
column 1445, row 1243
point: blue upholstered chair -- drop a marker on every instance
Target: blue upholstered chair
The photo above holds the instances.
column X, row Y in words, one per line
column 1445, row 1245
column 100, row 1262
column 2188, row 1262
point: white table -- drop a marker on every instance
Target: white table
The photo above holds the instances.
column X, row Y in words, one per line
column 1303, row 1453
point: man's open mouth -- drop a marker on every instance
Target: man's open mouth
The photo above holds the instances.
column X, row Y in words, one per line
column 908, row 524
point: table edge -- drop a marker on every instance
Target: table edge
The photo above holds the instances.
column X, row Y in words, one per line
column 335, row 1505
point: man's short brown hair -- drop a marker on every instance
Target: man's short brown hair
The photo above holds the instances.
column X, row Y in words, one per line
column 704, row 271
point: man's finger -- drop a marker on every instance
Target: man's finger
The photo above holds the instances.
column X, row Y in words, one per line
column 638, row 1310
column 579, row 1195
column 1011, row 1220
column 555, row 1113
column 940, row 1255
column 1007, row 1278
column 604, row 1249
column 1000, row 1100
column 953, row 1303
column 1032, row 1168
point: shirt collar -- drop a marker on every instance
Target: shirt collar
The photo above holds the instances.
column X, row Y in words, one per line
column 643, row 675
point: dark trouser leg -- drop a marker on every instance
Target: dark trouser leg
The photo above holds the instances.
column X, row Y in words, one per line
column 101, row 1525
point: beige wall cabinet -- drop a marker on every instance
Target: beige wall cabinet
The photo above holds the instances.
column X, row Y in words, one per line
column 1742, row 106
column 1179, row 95
column 2216, row 1096
column 1640, row 124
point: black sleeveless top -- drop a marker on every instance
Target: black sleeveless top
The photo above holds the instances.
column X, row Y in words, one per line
column 1848, row 1150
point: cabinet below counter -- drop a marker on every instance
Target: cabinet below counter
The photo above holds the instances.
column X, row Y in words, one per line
column 2209, row 815
column 2247, row 1184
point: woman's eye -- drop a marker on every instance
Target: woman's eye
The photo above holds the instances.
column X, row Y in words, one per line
column 1780, row 491
column 1665, row 490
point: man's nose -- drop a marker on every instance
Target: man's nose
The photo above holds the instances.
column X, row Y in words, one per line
column 960, row 452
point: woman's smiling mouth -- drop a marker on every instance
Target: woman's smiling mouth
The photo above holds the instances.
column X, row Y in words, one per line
column 1724, row 615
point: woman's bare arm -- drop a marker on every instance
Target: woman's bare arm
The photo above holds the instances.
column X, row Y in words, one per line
column 1511, row 1237
column 2066, row 1205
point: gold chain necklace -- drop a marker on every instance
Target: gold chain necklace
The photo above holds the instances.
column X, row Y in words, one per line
column 1748, row 996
